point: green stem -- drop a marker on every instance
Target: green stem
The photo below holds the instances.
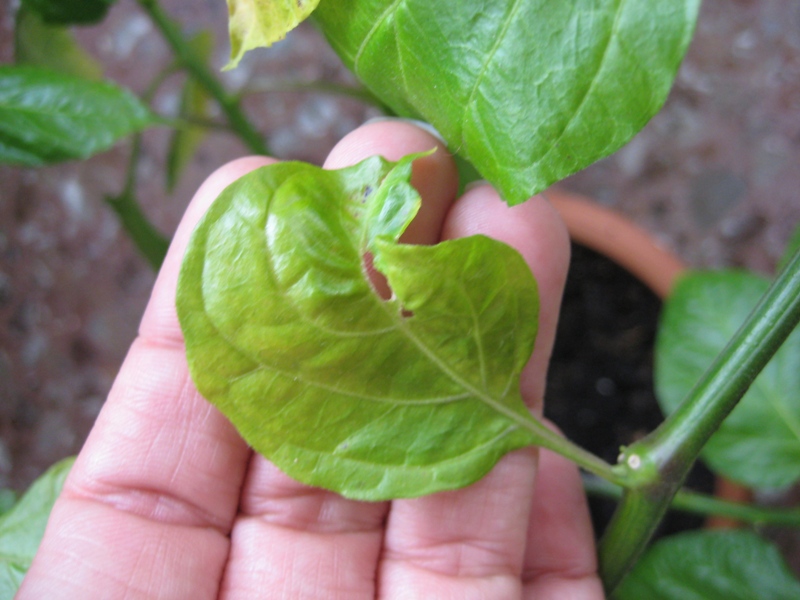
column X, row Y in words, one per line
column 547, row 438
column 152, row 245
column 656, row 466
column 198, row 69
column 147, row 239
column 703, row 505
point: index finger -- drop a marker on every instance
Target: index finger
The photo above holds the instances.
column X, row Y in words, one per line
column 151, row 498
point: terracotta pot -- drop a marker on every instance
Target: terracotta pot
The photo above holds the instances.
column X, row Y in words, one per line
column 612, row 235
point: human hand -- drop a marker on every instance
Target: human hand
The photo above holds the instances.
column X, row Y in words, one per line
column 167, row 501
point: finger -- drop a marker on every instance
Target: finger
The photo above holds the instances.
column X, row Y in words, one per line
column 309, row 543
column 560, row 560
column 149, row 503
column 435, row 177
column 537, row 232
column 470, row 543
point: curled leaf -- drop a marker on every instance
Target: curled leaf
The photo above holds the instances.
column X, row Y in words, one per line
column 261, row 23
column 340, row 388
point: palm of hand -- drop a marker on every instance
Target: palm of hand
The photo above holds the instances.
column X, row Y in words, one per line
column 167, row 501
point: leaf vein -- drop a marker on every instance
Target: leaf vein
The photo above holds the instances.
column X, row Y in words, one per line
column 481, row 395
column 485, row 66
column 590, row 88
column 378, row 24
column 262, row 366
column 785, row 415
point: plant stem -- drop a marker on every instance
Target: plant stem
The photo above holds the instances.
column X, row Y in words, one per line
column 547, row 438
column 198, row 69
column 704, row 505
column 147, row 239
column 657, row 465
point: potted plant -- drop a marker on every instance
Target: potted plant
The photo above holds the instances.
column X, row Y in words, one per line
column 584, row 124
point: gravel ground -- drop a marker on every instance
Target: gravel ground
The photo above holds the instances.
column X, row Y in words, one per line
column 714, row 176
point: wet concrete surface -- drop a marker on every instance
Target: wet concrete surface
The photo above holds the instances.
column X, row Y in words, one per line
column 714, row 176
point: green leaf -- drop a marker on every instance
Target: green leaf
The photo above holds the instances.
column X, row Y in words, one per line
column 22, row 527
column 8, row 498
column 195, row 104
column 40, row 44
column 69, row 12
column 47, row 117
column 759, row 443
column 711, row 565
column 371, row 398
column 260, row 23
column 528, row 91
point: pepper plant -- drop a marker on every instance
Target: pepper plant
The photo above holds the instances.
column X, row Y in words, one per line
column 286, row 335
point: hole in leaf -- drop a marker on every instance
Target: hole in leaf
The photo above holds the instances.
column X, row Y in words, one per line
column 376, row 278
column 379, row 283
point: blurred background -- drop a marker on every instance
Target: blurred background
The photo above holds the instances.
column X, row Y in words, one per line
column 715, row 176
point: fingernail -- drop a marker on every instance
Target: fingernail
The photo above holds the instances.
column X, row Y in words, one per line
column 416, row 122
column 474, row 184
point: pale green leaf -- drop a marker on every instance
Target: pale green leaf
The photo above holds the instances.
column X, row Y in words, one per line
column 22, row 527
column 711, row 565
column 195, row 104
column 261, row 23
column 8, row 498
column 527, row 91
column 759, row 443
column 53, row 46
column 46, row 116
column 371, row 398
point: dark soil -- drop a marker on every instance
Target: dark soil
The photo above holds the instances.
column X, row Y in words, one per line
column 600, row 384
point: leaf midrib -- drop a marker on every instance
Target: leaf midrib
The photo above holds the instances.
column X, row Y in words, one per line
column 297, row 374
column 37, row 111
column 453, row 459
column 394, row 316
column 460, row 381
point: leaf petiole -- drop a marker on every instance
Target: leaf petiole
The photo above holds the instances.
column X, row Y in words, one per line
column 552, row 440
column 701, row 504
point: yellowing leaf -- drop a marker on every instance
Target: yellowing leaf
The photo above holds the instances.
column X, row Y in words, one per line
column 261, row 23
column 371, row 398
